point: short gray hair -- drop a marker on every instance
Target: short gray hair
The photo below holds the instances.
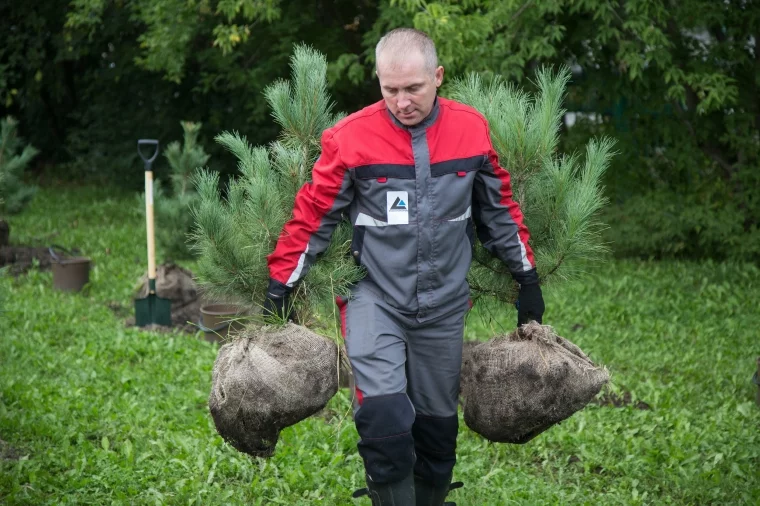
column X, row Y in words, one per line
column 401, row 40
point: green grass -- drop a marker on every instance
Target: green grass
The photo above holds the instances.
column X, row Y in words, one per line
column 103, row 414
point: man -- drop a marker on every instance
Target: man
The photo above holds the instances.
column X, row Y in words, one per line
column 414, row 171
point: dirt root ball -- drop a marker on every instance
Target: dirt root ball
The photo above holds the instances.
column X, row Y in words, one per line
column 269, row 378
column 516, row 386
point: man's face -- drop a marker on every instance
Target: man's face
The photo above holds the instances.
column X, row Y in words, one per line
column 408, row 87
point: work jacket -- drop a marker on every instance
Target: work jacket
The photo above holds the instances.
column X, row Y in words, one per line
column 412, row 194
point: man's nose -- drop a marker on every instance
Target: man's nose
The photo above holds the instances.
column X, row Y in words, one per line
column 403, row 101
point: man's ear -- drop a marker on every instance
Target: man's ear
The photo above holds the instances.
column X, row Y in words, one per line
column 438, row 77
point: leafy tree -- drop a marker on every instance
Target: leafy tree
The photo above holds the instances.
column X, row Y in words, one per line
column 88, row 77
column 675, row 82
column 33, row 81
column 697, row 56
column 172, row 26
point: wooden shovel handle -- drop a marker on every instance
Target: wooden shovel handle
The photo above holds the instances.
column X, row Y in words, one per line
column 149, row 224
column 148, row 159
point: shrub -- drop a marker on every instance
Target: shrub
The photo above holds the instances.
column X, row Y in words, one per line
column 667, row 224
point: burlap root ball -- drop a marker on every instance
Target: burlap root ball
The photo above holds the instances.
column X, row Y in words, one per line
column 267, row 379
column 516, row 386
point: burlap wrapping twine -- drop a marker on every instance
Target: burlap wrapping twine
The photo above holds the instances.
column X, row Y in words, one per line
column 516, row 386
column 267, row 379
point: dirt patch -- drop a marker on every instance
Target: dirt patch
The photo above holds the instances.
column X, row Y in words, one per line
column 176, row 284
column 613, row 400
column 20, row 259
column 7, row 452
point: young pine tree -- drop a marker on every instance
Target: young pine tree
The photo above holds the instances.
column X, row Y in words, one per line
column 234, row 234
column 174, row 210
column 559, row 195
column 14, row 194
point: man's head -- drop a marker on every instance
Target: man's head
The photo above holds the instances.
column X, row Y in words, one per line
column 409, row 74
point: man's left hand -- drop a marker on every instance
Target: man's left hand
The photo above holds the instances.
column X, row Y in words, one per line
column 278, row 308
column 530, row 304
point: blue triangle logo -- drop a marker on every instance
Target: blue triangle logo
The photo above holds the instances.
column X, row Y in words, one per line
column 398, row 205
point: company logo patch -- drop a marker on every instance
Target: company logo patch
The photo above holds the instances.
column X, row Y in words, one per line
column 397, row 208
column 398, row 205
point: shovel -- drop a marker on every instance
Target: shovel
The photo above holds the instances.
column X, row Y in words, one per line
column 152, row 309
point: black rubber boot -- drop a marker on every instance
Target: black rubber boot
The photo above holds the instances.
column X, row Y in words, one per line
column 428, row 494
column 400, row 493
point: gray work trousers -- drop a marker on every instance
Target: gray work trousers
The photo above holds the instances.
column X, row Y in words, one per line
column 406, row 375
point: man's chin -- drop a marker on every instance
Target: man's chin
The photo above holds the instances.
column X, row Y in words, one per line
column 410, row 120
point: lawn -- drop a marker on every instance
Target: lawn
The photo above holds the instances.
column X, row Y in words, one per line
column 93, row 412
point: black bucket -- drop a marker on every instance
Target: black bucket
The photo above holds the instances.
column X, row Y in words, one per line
column 70, row 273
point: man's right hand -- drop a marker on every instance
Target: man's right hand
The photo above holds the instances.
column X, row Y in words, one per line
column 530, row 304
column 278, row 308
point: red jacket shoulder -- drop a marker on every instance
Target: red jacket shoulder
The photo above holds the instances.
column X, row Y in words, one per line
column 463, row 112
column 358, row 121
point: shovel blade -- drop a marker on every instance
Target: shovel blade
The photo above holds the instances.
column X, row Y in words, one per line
column 153, row 310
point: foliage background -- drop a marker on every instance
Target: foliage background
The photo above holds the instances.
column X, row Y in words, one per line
column 675, row 83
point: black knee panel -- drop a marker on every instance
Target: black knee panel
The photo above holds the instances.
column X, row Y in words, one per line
column 435, row 442
column 384, row 424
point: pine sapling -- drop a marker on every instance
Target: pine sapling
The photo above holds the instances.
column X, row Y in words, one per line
column 234, row 234
column 560, row 196
column 174, row 210
column 14, row 157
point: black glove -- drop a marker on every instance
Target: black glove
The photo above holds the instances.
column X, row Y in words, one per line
column 530, row 304
column 278, row 308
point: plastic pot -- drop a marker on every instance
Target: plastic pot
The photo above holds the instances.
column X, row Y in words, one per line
column 218, row 320
column 70, row 273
